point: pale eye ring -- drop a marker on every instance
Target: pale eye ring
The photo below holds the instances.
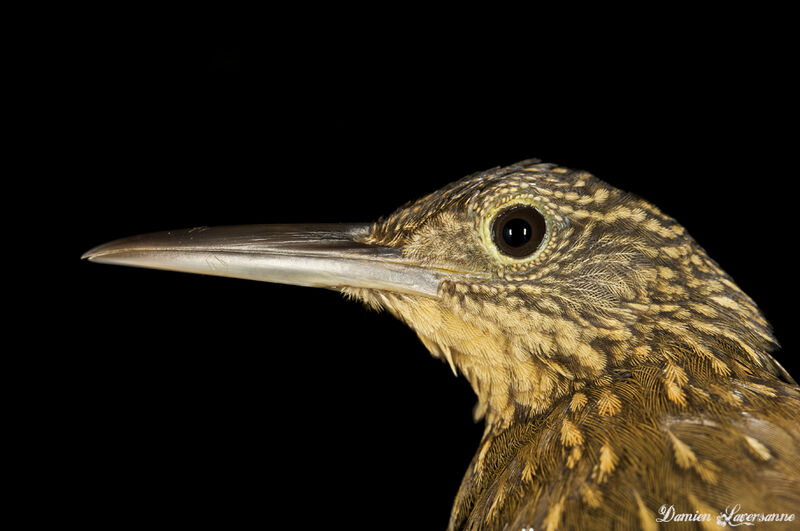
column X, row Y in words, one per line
column 518, row 231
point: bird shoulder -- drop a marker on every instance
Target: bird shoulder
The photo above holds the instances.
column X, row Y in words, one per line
column 659, row 435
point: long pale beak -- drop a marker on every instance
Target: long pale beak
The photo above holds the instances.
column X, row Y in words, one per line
column 305, row 255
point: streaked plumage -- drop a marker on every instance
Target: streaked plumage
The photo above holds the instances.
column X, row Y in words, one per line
column 617, row 368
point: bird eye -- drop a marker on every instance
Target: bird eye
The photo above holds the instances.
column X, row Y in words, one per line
column 518, row 231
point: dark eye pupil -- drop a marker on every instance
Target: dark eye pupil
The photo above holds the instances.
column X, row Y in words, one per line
column 518, row 231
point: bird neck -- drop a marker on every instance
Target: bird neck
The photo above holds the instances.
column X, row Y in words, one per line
column 681, row 377
column 520, row 367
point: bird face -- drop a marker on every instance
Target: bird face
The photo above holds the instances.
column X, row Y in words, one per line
column 532, row 280
column 557, row 280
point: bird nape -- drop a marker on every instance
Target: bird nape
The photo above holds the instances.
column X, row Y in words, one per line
column 623, row 377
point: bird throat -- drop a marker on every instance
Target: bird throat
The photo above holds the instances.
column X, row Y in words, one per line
column 507, row 378
column 521, row 373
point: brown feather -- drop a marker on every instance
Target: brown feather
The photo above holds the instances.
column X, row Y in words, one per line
column 618, row 369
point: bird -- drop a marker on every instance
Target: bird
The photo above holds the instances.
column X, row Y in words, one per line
column 624, row 379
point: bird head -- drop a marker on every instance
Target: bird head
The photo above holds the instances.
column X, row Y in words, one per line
column 532, row 280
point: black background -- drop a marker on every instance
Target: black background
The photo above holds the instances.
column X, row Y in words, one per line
column 200, row 399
